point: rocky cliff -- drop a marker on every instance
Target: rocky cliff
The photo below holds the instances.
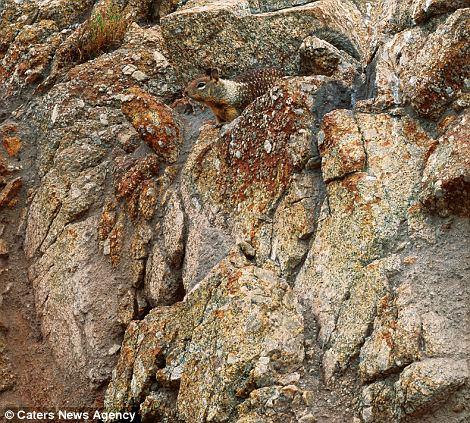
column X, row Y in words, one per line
column 307, row 262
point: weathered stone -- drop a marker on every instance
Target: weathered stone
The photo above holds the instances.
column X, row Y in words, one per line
column 148, row 199
column 63, row 12
column 4, row 249
column 442, row 67
column 395, row 341
column 317, row 57
column 261, row 6
column 135, row 184
column 271, row 39
column 174, row 231
column 421, row 386
column 308, row 418
column 73, row 321
column 27, row 57
column 379, row 403
column 342, row 146
column 58, row 202
column 425, row 9
column 235, row 175
column 76, row 127
column 426, row 70
column 294, row 222
column 271, row 403
column 283, row 345
column 93, row 84
column 253, row 313
column 9, row 192
column 351, row 187
column 393, row 16
column 345, row 274
column 7, row 377
column 155, row 123
column 129, row 140
column 161, row 281
column 447, row 174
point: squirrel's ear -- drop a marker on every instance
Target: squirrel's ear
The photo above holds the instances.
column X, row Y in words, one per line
column 214, row 74
column 208, row 71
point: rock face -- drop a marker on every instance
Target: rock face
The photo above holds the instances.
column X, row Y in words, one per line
column 272, row 348
column 306, row 262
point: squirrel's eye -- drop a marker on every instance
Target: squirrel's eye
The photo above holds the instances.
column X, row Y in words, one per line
column 201, row 85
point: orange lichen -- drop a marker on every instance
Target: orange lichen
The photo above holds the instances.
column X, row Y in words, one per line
column 155, row 122
column 12, row 145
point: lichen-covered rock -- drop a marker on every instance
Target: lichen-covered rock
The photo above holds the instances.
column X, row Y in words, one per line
column 39, row 43
column 163, row 279
column 140, row 53
column 27, row 57
column 132, row 174
column 426, row 70
column 442, row 67
column 261, row 6
column 342, row 146
column 58, row 202
column 95, row 194
column 305, row 262
column 12, row 19
column 238, row 330
column 162, row 282
column 9, row 192
column 256, row 172
column 393, row 16
column 10, row 139
column 4, row 249
column 155, row 123
column 425, row 9
column 447, row 175
column 317, row 57
column 269, row 328
column 271, row 39
column 275, row 404
column 348, row 267
column 28, row 38
column 422, row 386
column 395, row 341
column 80, row 330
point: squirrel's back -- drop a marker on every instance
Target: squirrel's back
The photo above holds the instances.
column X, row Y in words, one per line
column 257, row 82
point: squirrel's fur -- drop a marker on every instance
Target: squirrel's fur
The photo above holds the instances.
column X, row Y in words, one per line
column 228, row 98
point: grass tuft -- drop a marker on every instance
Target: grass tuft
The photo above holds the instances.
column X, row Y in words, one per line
column 103, row 32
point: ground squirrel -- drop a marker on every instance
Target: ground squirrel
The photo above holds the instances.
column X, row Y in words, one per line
column 227, row 98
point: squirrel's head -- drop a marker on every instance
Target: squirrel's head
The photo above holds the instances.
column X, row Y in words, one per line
column 205, row 86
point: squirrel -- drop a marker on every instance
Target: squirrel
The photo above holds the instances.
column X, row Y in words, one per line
column 338, row 40
column 228, row 98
